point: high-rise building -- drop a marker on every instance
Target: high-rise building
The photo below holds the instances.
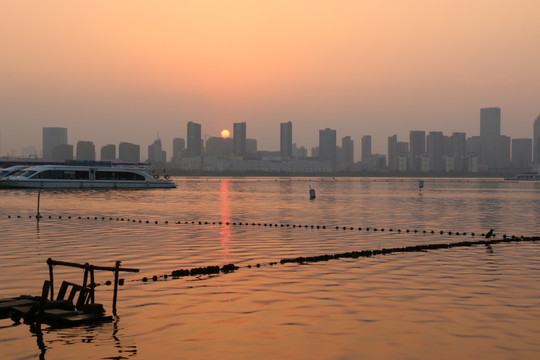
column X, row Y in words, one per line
column 218, row 146
column 156, row 153
column 457, row 149
column 285, row 144
column 327, row 145
column 490, row 122
column 392, row 155
column 194, row 141
column 251, row 146
column 86, row 151
column 490, row 131
column 366, row 148
column 417, row 148
column 347, row 151
column 129, row 153
column 52, row 137
column 536, row 140
column 62, row 153
column 522, row 154
column 239, row 139
column 108, row 152
column 178, row 146
column 436, row 150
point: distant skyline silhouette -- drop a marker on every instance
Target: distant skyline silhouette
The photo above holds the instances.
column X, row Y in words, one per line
column 115, row 72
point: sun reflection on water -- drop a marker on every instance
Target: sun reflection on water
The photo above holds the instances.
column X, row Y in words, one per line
column 225, row 216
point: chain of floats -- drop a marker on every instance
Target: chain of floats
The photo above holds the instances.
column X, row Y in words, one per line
column 213, row 270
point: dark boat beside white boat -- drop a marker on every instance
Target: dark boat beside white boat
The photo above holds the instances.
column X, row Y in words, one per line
column 525, row 177
column 86, row 177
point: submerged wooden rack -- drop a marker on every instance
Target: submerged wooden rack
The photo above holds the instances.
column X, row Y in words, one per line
column 74, row 303
column 89, row 272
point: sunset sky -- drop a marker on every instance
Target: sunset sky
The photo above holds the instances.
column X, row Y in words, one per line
column 113, row 71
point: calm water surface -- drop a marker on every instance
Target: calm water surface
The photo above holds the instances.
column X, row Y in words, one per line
column 476, row 302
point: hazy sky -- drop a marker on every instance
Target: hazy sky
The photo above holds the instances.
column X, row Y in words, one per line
column 113, row 71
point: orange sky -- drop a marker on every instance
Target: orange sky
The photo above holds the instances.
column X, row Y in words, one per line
column 113, row 71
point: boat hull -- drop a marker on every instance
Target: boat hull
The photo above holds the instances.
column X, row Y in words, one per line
column 87, row 184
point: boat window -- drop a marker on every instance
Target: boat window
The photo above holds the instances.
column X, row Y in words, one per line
column 62, row 175
column 118, row 175
column 25, row 173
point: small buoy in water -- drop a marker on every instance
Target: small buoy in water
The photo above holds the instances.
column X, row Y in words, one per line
column 311, row 193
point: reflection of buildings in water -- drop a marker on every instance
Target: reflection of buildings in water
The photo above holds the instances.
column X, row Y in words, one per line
column 89, row 334
column 225, row 231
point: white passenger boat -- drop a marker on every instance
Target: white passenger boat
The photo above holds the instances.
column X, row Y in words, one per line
column 83, row 177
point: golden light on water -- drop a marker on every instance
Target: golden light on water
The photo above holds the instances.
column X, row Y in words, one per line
column 225, row 133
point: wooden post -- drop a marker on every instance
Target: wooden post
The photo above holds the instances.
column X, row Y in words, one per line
column 92, row 284
column 115, row 294
column 85, row 277
column 50, row 263
column 38, row 197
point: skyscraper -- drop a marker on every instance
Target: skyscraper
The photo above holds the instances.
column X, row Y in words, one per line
column 178, row 146
column 108, row 152
column 86, row 151
column 285, row 144
column 457, row 148
column 194, row 142
column 436, row 150
column 239, row 139
column 347, row 151
column 327, row 145
column 536, row 140
column 129, row 153
column 490, row 131
column 522, row 154
column 156, row 153
column 392, row 156
column 366, row 148
column 417, row 148
column 52, row 137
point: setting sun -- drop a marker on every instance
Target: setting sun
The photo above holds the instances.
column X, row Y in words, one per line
column 225, row 133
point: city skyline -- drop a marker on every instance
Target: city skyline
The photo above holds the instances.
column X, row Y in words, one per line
column 431, row 152
column 490, row 124
column 362, row 68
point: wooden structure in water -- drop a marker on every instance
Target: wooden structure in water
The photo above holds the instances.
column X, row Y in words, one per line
column 74, row 304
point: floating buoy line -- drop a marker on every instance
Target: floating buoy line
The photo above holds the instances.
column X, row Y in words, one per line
column 216, row 269
column 255, row 224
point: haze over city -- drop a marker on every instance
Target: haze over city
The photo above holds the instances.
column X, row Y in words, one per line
column 126, row 71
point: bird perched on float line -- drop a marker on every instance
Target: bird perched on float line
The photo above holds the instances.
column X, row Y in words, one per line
column 489, row 234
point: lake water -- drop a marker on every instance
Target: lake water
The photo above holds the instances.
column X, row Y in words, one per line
column 468, row 302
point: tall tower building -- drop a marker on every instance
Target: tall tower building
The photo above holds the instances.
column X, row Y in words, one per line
column 392, row 157
column 178, row 147
column 366, row 148
column 347, row 151
column 52, row 137
column 327, row 145
column 417, row 148
column 194, row 142
column 285, row 144
column 536, row 140
column 490, row 131
column 156, row 153
column 457, row 148
column 239, row 139
column 522, row 154
column 129, row 153
column 108, row 152
column 86, row 151
column 436, row 150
